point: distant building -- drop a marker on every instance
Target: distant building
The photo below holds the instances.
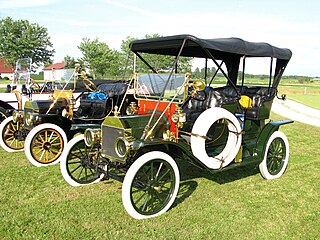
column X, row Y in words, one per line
column 55, row 71
column 316, row 79
column 5, row 71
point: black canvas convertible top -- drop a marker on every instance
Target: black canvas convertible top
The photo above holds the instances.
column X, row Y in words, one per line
column 219, row 47
column 229, row 50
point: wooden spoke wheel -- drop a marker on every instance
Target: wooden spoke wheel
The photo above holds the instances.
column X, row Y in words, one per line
column 44, row 144
column 12, row 135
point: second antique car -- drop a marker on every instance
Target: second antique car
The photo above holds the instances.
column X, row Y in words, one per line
column 44, row 126
column 215, row 127
column 21, row 88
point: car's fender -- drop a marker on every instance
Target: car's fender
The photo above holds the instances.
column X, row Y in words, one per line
column 265, row 134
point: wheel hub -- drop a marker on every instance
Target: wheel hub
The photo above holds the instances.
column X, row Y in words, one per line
column 153, row 187
column 17, row 134
column 157, row 189
column 46, row 146
column 20, row 135
column 86, row 161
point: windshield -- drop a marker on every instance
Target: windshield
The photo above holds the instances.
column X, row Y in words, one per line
column 152, row 85
column 22, row 72
column 66, row 80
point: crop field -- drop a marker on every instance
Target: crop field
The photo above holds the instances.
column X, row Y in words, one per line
column 36, row 203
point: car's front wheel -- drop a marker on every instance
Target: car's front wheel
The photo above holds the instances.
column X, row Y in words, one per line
column 12, row 135
column 44, row 144
column 80, row 165
column 151, row 185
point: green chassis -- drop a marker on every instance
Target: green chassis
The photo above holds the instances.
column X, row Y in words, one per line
column 255, row 137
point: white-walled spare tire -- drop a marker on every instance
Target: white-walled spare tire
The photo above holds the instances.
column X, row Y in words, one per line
column 44, row 144
column 201, row 128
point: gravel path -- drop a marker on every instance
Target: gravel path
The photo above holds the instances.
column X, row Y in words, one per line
column 296, row 111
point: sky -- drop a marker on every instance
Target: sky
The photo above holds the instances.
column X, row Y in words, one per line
column 289, row 24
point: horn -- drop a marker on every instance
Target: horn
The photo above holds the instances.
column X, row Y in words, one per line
column 198, row 85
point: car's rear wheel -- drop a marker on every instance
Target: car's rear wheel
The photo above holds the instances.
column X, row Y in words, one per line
column 44, row 144
column 12, row 135
column 151, row 185
column 80, row 165
column 276, row 156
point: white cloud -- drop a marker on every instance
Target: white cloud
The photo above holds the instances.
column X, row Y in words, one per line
column 8, row 4
column 81, row 23
column 135, row 9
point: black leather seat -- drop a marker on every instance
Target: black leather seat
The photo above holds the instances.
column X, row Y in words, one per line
column 261, row 104
column 112, row 89
column 217, row 97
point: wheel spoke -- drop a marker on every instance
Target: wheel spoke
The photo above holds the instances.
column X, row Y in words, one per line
column 41, row 156
column 54, row 151
column 164, row 174
column 145, row 203
column 74, row 162
column 80, row 173
column 46, row 136
column 82, row 165
column 42, row 140
column 9, row 138
column 49, row 139
column 13, row 127
column 276, row 155
column 159, row 170
column 152, row 187
column 9, row 129
column 36, row 153
column 75, row 169
column 11, row 142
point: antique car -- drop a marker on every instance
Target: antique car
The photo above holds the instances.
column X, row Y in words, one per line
column 215, row 127
column 12, row 130
column 21, row 88
column 52, row 127
column 43, row 127
column 24, row 89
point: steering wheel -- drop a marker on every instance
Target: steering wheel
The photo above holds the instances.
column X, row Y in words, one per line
column 89, row 85
column 34, row 86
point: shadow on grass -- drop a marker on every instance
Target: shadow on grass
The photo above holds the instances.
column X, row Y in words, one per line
column 189, row 172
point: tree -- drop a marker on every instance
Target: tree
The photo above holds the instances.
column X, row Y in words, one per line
column 21, row 39
column 70, row 62
column 126, row 56
column 98, row 57
column 158, row 62
column 196, row 74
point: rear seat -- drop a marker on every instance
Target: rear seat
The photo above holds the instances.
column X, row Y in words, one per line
column 217, row 97
column 261, row 104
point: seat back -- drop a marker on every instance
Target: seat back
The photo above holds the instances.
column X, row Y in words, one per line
column 261, row 103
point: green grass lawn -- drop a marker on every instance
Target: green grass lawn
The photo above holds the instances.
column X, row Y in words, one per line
column 311, row 100
column 36, row 203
